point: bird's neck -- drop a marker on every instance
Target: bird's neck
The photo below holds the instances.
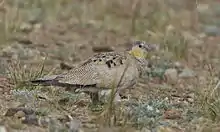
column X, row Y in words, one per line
column 142, row 61
column 142, row 64
column 137, row 53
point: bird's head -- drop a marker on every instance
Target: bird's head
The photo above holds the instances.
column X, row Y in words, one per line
column 141, row 49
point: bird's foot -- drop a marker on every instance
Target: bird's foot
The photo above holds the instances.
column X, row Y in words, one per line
column 124, row 97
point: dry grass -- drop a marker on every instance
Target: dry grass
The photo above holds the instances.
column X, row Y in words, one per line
column 20, row 75
column 164, row 22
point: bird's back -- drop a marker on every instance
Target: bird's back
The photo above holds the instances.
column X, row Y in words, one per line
column 103, row 71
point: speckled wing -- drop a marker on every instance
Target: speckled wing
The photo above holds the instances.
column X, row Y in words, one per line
column 83, row 75
column 102, row 70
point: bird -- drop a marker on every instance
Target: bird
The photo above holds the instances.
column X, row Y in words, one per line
column 104, row 71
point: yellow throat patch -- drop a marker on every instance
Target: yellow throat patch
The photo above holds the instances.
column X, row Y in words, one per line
column 137, row 52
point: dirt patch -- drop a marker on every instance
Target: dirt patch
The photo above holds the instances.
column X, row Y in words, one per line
column 175, row 90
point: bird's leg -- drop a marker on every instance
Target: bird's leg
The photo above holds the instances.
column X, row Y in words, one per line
column 96, row 105
column 94, row 97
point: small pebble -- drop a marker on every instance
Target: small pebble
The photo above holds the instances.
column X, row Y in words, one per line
column 19, row 114
column 26, row 27
column 172, row 114
column 171, row 76
column 3, row 129
column 187, row 73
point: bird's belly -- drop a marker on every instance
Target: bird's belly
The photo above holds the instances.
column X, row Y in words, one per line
column 116, row 78
column 130, row 78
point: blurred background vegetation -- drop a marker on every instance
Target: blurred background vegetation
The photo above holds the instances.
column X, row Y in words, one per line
column 68, row 31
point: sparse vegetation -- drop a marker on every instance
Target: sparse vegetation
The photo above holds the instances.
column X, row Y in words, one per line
column 20, row 75
column 67, row 31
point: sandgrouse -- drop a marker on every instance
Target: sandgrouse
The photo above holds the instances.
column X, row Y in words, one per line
column 104, row 71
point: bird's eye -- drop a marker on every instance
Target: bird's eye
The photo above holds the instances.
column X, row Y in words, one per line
column 140, row 46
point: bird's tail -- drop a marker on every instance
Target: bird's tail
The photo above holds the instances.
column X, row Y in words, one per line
column 53, row 80
column 48, row 81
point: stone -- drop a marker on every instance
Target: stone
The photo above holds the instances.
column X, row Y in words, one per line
column 171, row 76
column 168, row 129
column 3, row 129
column 145, row 130
column 172, row 114
column 14, row 111
column 19, row 114
column 211, row 30
column 187, row 73
column 75, row 125
column 26, row 27
column 178, row 65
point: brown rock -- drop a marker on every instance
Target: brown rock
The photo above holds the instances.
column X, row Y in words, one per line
column 172, row 114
